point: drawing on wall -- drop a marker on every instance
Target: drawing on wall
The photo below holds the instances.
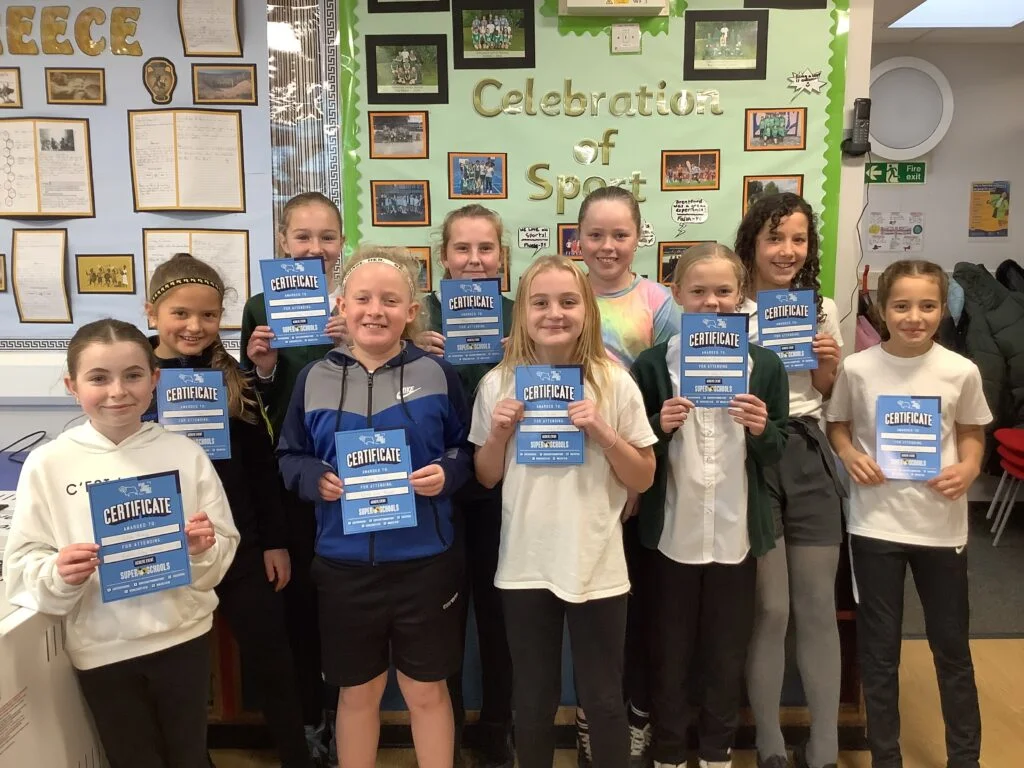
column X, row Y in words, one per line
column 400, row 203
column 477, row 175
column 755, row 187
column 10, row 88
column 224, row 84
column 422, row 255
column 75, row 86
column 160, row 78
column 406, row 69
column 399, row 135
column 725, row 45
column 105, row 273
column 493, row 34
column 768, row 129
column 690, row 169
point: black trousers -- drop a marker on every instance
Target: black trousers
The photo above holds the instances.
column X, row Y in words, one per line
column 597, row 630
column 639, row 612
column 256, row 615
column 150, row 711
column 940, row 575
column 705, row 610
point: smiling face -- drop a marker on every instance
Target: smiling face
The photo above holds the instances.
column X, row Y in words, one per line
column 555, row 314
column 608, row 242
column 376, row 306
column 912, row 312
column 114, row 384
column 708, row 285
column 473, row 249
column 187, row 320
column 313, row 232
column 781, row 252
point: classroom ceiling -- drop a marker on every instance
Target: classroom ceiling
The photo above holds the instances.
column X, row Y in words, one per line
column 887, row 11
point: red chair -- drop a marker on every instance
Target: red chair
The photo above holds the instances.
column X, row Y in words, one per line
column 1011, row 452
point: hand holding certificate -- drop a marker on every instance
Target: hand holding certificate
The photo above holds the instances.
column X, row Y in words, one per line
column 787, row 324
column 471, row 321
column 546, row 434
column 908, row 439
column 295, row 297
column 374, row 469
column 714, row 364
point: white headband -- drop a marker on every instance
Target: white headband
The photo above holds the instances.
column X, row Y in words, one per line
column 379, row 260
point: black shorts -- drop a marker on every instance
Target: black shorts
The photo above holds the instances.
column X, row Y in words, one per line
column 408, row 612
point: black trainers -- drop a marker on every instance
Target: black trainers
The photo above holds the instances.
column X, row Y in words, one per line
column 494, row 746
column 584, row 755
column 639, row 745
column 800, row 758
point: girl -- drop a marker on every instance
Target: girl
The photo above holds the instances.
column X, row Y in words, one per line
column 392, row 594
column 561, row 553
column 896, row 523
column 144, row 662
column 310, row 229
column 704, row 525
column 777, row 242
column 636, row 314
column 471, row 248
column 185, row 307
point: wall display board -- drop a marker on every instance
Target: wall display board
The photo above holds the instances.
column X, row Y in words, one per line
column 718, row 107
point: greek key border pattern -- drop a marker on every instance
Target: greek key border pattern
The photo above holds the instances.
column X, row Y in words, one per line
column 332, row 83
column 60, row 345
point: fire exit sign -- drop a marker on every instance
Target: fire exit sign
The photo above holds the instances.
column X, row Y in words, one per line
column 894, row 173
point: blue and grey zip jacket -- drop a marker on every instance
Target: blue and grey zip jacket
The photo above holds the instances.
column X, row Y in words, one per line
column 413, row 391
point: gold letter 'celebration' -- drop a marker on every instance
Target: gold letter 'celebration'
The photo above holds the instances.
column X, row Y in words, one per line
column 53, row 28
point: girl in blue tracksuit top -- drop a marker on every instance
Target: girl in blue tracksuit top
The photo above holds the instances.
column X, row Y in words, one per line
column 392, row 594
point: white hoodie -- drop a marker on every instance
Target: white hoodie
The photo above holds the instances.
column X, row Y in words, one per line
column 52, row 510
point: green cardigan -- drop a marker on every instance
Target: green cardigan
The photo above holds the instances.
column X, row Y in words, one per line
column 769, row 382
column 276, row 393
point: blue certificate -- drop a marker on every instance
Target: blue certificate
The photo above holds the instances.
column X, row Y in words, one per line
column 139, row 523
column 787, row 323
column 471, row 321
column 908, row 436
column 295, row 297
column 545, row 435
column 374, row 468
column 194, row 401
column 713, row 358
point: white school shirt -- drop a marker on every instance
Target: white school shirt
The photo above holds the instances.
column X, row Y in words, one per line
column 706, row 488
column 804, row 399
column 907, row 511
column 560, row 525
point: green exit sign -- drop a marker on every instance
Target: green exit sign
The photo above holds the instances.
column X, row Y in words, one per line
column 894, row 173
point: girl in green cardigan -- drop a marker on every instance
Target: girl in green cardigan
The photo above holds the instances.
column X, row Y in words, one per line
column 702, row 522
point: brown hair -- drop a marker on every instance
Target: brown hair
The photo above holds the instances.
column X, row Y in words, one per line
column 589, row 351
column 907, row 268
column 307, row 198
column 471, row 211
column 107, row 331
column 184, row 269
column 616, row 194
column 406, row 262
column 703, row 252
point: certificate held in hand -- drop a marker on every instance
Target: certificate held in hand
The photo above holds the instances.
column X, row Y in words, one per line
column 713, row 358
column 471, row 321
column 139, row 523
column 295, row 297
column 546, row 435
column 374, row 467
column 194, row 401
column 787, row 323
column 908, row 436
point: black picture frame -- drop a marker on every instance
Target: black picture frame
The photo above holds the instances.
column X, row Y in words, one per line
column 788, row 5
column 405, row 93
column 407, row 6
column 692, row 72
column 496, row 58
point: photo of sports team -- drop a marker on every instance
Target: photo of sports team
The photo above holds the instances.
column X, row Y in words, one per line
column 690, row 170
column 725, row 45
column 776, row 129
column 488, row 34
column 476, row 175
column 406, row 68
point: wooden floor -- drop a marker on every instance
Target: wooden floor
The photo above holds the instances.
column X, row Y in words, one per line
column 999, row 667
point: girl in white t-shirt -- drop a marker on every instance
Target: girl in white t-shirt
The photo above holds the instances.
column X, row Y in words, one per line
column 923, row 524
column 561, row 554
column 778, row 244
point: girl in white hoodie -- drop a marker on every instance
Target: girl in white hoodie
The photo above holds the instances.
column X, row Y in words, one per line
column 143, row 662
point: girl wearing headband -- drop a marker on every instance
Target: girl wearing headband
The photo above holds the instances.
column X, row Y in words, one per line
column 392, row 594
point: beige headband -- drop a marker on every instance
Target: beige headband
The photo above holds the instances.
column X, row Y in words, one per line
column 183, row 281
column 379, row 260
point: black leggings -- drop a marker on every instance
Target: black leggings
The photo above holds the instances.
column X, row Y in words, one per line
column 597, row 629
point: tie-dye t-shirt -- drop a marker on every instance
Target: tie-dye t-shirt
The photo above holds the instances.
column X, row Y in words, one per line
column 636, row 318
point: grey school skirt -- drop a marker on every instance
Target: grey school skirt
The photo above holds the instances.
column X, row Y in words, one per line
column 806, row 493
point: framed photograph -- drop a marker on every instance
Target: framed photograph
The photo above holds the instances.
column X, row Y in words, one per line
column 569, row 241
column 3, row 273
column 725, row 45
column 406, row 69
column 506, row 269
column 493, row 34
column 759, row 186
column 477, row 176
column 10, row 88
column 407, row 6
column 400, row 203
column 690, row 169
column 775, row 129
column 76, row 86
column 788, row 5
column 668, row 255
column 223, row 83
column 399, row 135
column 105, row 272
column 422, row 254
